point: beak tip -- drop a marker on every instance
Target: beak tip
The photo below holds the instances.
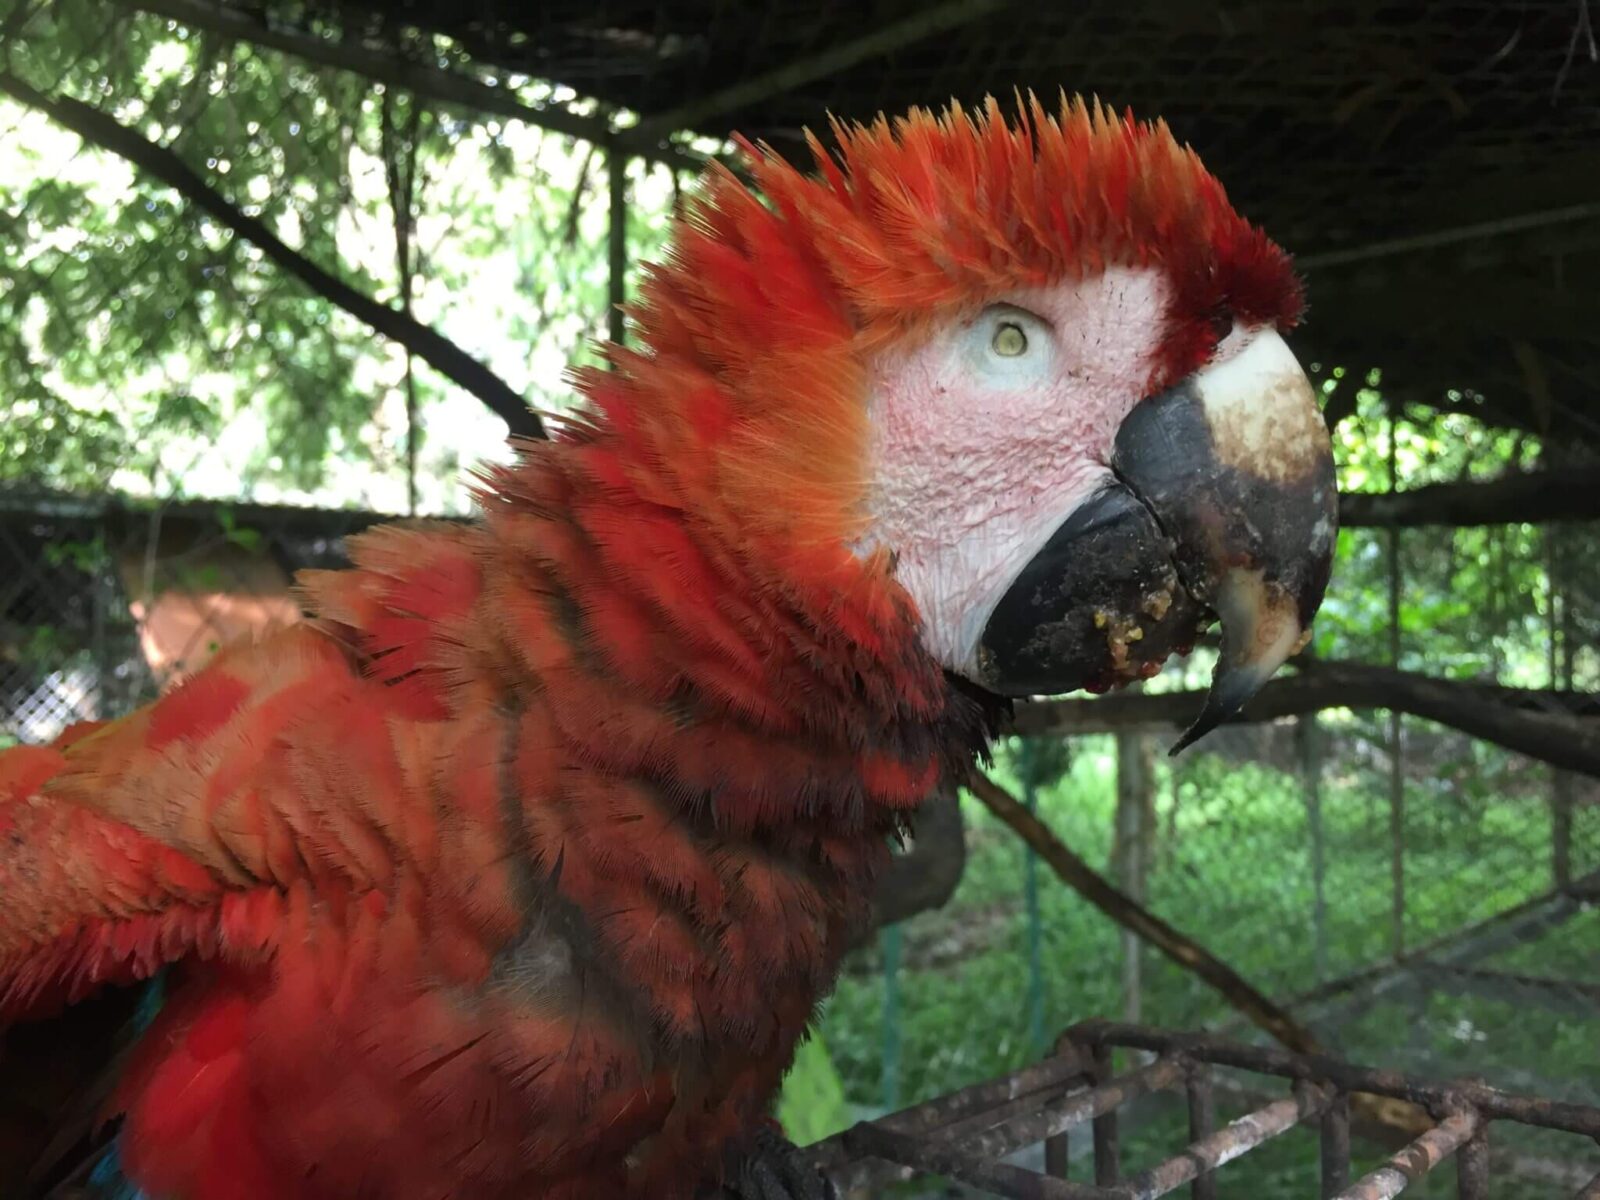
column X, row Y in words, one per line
column 1213, row 714
column 1238, row 677
column 1230, row 692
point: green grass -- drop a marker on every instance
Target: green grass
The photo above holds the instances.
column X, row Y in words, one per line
column 1232, row 867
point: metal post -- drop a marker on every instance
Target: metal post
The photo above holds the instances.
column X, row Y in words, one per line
column 617, row 240
column 1561, row 828
column 1308, row 736
column 1560, row 664
column 1134, row 783
column 1472, row 1167
column 1397, row 783
column 1027, row 763
column 889, row 938
column 1336, row 1146
column 1202, row 1123
column 1058, row 1155
column 102, row 660
column 1107, row 1167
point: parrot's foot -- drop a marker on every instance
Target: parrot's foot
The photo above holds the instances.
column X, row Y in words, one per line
column 774, row 1168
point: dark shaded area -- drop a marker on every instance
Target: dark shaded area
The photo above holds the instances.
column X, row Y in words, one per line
column 54, row 1086
column 1435, row 167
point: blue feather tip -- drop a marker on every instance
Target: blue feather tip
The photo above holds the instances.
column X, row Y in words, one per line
column 106, row 1180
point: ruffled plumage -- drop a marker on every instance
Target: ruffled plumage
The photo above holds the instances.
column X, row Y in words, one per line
column 518, row 870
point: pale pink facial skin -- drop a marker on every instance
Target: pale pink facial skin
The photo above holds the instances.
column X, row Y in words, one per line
column 979, row 456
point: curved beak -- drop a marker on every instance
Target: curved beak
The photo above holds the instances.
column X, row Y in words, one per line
column 1222, row 504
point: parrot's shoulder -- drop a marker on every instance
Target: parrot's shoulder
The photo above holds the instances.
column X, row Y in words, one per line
column 411, row 608
column 425, row 570
column 133, row 841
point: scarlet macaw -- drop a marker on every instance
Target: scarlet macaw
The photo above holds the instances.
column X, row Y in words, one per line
column 519, row 870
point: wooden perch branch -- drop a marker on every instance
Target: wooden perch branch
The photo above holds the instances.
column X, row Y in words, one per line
column 1384, row 1115
column 459, row 91
column 1566, row 494
column 438, row 351
column 1542, row 725
column 1128, row 913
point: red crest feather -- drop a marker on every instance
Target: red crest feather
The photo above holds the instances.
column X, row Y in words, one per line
column 771, row 307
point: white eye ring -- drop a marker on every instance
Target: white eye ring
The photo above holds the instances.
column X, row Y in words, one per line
column 1009, row 340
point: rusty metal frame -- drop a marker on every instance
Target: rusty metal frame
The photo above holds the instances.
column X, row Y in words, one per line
column 966, row 1135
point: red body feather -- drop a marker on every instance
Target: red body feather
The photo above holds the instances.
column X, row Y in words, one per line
column 518, row 877
column 519, row 871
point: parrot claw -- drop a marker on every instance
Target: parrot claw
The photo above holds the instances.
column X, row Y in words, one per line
column 776, row 1169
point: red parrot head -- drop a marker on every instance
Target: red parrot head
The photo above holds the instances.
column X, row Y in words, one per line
column 1028, row 371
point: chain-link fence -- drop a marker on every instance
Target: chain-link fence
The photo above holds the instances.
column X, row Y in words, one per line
column 103, row 605
column 1427, row 903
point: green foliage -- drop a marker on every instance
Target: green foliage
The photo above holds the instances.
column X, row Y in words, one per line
column 812, row 1105
column 1474, row 602
column 146, row 348
column 133, row 318
column 1230, row 864
column 250, row 540
column 44, row 648
column 85, row 556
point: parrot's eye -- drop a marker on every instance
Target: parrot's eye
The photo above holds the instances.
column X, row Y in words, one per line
column 1008, row 346
column 1009, row 340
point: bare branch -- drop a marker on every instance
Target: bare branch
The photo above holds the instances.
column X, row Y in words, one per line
column 1187, row 953
column 450, row 88
column 432, row 347
column 1542, row 725
column 1564, row 494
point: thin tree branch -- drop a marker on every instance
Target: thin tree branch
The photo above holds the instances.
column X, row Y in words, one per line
column 1183, row 950
column 1393, row 1116
column 1563, row 494
column 1555, row 727
column 569, row 227
column 449, row 88
column 432, row 347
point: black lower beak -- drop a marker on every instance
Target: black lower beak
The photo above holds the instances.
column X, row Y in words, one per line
column 1099, row 605
column 1222, row 503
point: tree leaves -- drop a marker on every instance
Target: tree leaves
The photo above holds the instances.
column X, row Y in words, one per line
column 136, row 333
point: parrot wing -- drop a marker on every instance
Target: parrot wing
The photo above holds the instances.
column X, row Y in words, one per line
column 199, row 826
column 181, row 828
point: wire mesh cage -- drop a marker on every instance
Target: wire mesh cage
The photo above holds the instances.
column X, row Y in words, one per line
column 104, row 605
